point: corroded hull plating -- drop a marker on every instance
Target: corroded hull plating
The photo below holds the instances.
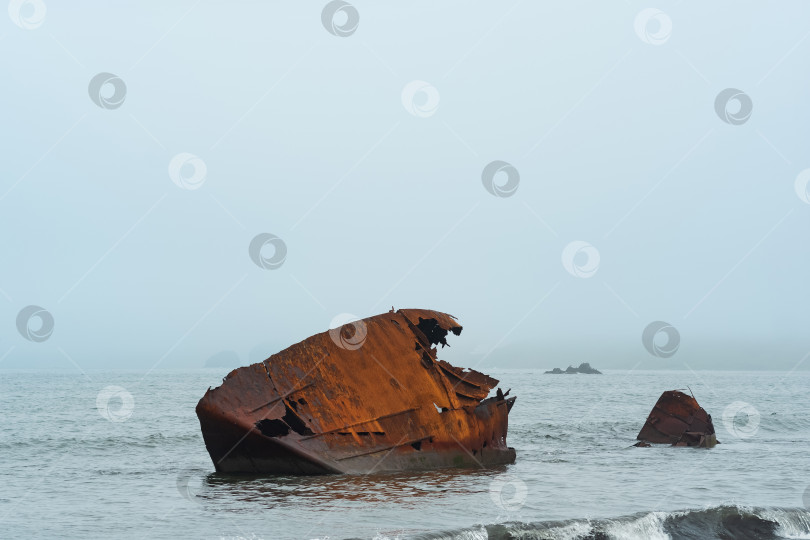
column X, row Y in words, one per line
column 677, row 419
column 369, row 397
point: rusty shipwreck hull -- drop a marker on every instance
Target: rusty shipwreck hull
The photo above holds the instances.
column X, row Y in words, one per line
column 370, row 396
column 679, row 420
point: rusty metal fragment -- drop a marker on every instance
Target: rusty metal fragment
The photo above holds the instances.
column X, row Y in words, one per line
column 677, row 419
column 371, row 396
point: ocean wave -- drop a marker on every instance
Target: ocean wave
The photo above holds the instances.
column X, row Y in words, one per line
column 719, row 522
column 153, row 440
column 783, row 424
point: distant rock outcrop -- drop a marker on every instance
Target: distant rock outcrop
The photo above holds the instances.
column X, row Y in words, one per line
column 584, row 367
column 226, row 359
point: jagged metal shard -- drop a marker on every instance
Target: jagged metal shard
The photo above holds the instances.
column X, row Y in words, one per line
column 388, row 405
column 677, row 419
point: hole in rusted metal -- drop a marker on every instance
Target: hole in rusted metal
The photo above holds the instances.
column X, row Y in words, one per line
column 295, row 423
column 433, row 331
column 280, row 427
column 273, row 428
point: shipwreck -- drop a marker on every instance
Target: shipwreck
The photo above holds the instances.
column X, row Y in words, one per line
column 369, row 396
column 678, row 420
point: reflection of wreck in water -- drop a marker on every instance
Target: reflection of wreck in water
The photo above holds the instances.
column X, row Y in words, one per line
column 369, row 396
column 326, row 492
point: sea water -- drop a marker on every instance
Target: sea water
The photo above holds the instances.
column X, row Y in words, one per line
column 109, row 454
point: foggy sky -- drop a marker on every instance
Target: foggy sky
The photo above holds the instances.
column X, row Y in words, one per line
column 611, row 125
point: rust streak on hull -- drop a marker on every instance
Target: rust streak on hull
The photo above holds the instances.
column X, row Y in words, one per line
column 368, row 397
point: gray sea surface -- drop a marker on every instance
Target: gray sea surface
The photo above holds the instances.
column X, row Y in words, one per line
column 77, row 465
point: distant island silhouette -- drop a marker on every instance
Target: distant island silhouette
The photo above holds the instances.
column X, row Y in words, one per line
column 226, row 359
column 584, row 367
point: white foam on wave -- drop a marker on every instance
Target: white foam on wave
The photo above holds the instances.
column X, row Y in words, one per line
column 467, row 534
column 480, row 534
column 647, row 527
column 792, row 523
column 573, row 531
